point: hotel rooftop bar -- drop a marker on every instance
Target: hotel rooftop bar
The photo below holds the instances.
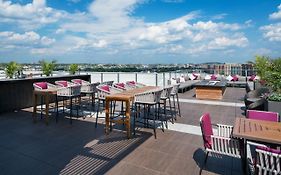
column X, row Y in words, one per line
column 70, row 125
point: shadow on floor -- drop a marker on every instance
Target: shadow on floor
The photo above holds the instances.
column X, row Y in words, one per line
column 61, row 148
column 217, row 163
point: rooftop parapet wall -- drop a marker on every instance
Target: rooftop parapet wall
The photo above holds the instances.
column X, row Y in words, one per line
column 16, row 94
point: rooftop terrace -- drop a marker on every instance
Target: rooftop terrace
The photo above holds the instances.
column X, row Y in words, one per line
column 80, row 148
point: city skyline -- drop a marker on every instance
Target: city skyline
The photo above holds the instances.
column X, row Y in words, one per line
column 139, row 31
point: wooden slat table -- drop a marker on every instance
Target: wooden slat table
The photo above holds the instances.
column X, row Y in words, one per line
column 258, row 130
column 127, row 97
column 46, row 94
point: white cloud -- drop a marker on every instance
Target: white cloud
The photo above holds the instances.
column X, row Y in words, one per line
column 219, row 16
column 272, row 32
column 223, row 42
column 27, row 39
column 110, row 27
column 276, row 15
column 29, row 16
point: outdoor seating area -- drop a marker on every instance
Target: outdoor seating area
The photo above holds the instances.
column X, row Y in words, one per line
column 140, row 123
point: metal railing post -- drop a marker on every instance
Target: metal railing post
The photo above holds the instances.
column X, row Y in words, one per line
column 118, row 77
column 164, row 79
column 136, row 77
column 101, row 77
column 156, row 79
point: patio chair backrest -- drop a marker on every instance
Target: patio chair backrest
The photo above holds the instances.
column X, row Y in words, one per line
column 268, row 161
column 206, row 128
column 109, row 83
column 175, row 89
column 120, row 86
column 40, row 85
column 62, row 83
column 149, row 97
column 105, row 88
column 77, row 81
column 167, row 91
column 263, row 115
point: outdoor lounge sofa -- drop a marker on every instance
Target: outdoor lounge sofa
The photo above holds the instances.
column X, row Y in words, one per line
column 184, row 86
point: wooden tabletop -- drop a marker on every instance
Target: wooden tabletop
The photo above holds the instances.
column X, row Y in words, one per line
column 258, row 130
column 129, row 94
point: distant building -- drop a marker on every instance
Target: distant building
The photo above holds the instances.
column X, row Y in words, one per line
column 249, row 68
column 232, row 69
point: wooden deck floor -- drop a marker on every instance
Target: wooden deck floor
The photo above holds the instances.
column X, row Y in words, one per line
column 80, row 148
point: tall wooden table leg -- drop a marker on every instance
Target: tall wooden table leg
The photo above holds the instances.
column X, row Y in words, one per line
column 107, row 101
column 34, row 107
column 128, row 118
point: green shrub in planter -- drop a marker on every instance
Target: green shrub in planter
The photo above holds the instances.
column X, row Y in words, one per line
column 274, row 97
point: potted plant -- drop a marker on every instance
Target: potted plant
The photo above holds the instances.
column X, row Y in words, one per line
column 273, row 80
column 73, row 68
column 47, row 67
column 261, row 66
column 11, row 69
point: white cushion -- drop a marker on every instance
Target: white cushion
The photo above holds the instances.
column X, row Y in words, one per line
column 182, row 80
column 207, row 77
column 229, row 78
column 173, row 81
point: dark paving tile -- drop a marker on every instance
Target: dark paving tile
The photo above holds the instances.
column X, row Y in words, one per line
column 128, row 169
column 80, row 148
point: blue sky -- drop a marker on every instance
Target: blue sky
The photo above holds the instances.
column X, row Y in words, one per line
column 139, row 31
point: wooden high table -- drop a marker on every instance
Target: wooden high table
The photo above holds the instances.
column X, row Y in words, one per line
column 127, row 97
column 46, row 93
column 256, row 130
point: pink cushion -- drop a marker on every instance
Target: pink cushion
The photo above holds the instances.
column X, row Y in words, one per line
column 63, row 83
column 121, row 85
column 207, row 130
column 263, row 115
column 42, row 85
column 213, row 77
column 269, row 149
column 105, row 88
column 252, row 78
column 78, row 81
column 195, row 77
column 132, row 82
column 234, row 78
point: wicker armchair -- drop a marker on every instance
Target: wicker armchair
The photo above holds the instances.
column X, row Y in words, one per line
column 166, row 96
column 68, row 90
column 258, row 93
column 45, row 86
column 148, row 100
column 174, row 94
column 87, row 88
column 103, row 91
